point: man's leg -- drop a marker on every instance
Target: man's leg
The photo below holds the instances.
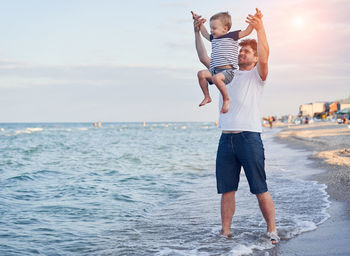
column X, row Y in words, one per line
column 251, row 154
column 219, row 81
column 268, row 211
column 228, row 205
column 228, row 169
column 203, row 77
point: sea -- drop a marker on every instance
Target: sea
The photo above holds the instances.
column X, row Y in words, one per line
column 140, row 189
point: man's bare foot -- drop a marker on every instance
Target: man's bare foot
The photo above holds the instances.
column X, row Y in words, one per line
column 273, row 237
column 225, row 106
column 227, row 234
column 205, row 101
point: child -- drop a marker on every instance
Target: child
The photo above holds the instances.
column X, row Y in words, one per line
column 224, row 56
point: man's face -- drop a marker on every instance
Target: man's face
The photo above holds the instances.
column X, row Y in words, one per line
column 246, row 56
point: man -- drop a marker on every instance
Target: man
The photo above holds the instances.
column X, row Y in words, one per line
column 240, row 143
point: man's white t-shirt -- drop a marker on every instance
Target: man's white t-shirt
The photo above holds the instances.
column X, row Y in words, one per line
column 245, row 92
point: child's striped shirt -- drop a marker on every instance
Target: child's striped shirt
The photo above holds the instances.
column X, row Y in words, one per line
column 224, row 50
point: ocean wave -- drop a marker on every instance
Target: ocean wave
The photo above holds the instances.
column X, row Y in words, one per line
column 28, row 130
column 242, row 249
column 298, row 228
column 160, row 183
column 237, row 249
column 123, row 198
column 130, row 158
column 20, row 178
column 32, row 150
column 45, row 173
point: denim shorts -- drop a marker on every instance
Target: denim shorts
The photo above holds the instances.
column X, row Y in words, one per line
column 238, row 150
column 227, row 72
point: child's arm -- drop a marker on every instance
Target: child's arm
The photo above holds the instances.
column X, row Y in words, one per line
column 245, row 32
column 204, row 32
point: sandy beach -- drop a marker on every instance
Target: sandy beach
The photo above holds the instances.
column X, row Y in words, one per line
column 329, row 146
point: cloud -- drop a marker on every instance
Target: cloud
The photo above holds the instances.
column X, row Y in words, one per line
column 100, row 92
column 182, row 45
column 323, row 38
column 175, row 3
column 103, row 73
column 307, row 64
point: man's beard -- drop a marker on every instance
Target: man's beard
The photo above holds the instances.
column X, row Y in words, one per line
column 246, row 64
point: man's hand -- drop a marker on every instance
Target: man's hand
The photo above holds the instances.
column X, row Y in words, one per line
column 197, row 21
column 195, row 16
column 197, row 24
column 256, row 20
column 258, row 13
column 263, row 46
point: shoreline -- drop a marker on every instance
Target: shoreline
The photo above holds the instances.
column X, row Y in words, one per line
column 328, row 144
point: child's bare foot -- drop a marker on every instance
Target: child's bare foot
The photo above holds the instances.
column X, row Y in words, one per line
column 225, row 106
column 205, row 101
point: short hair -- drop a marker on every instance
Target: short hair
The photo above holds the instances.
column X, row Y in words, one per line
column 252, row 43
column 224, row 17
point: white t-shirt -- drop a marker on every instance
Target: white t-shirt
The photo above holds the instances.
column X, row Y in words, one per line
column 245, row 92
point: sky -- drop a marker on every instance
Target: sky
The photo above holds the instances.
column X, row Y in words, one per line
column 119, row 61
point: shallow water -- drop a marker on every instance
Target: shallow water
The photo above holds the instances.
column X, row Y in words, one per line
column 125, row 189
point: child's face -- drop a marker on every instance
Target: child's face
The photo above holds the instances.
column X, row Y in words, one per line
column 217, row 29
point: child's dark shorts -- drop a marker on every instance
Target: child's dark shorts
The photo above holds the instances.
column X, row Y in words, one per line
column 227, row 72
column 234, row 151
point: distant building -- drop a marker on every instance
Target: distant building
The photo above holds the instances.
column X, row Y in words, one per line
column 323, row 108
column 311, row 108
column 343, row 106
column 332, row 107
column 345, row 103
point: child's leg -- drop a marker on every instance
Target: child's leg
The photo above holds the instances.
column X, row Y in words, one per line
column 219, row 81
column 203, row 77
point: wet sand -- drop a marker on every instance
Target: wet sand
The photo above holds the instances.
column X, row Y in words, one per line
column 329, row 146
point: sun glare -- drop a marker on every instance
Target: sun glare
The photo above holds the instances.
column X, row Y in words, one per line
column 298, row 22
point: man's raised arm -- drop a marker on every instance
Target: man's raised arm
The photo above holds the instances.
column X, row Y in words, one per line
column 201, row 51
column 263, row 46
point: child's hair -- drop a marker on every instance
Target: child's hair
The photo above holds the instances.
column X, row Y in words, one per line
column 252, row 43
column 224, row 17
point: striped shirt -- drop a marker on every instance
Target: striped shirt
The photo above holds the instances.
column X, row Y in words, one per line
column 224, row 50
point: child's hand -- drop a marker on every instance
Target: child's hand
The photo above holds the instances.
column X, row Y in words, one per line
column 258, row 13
